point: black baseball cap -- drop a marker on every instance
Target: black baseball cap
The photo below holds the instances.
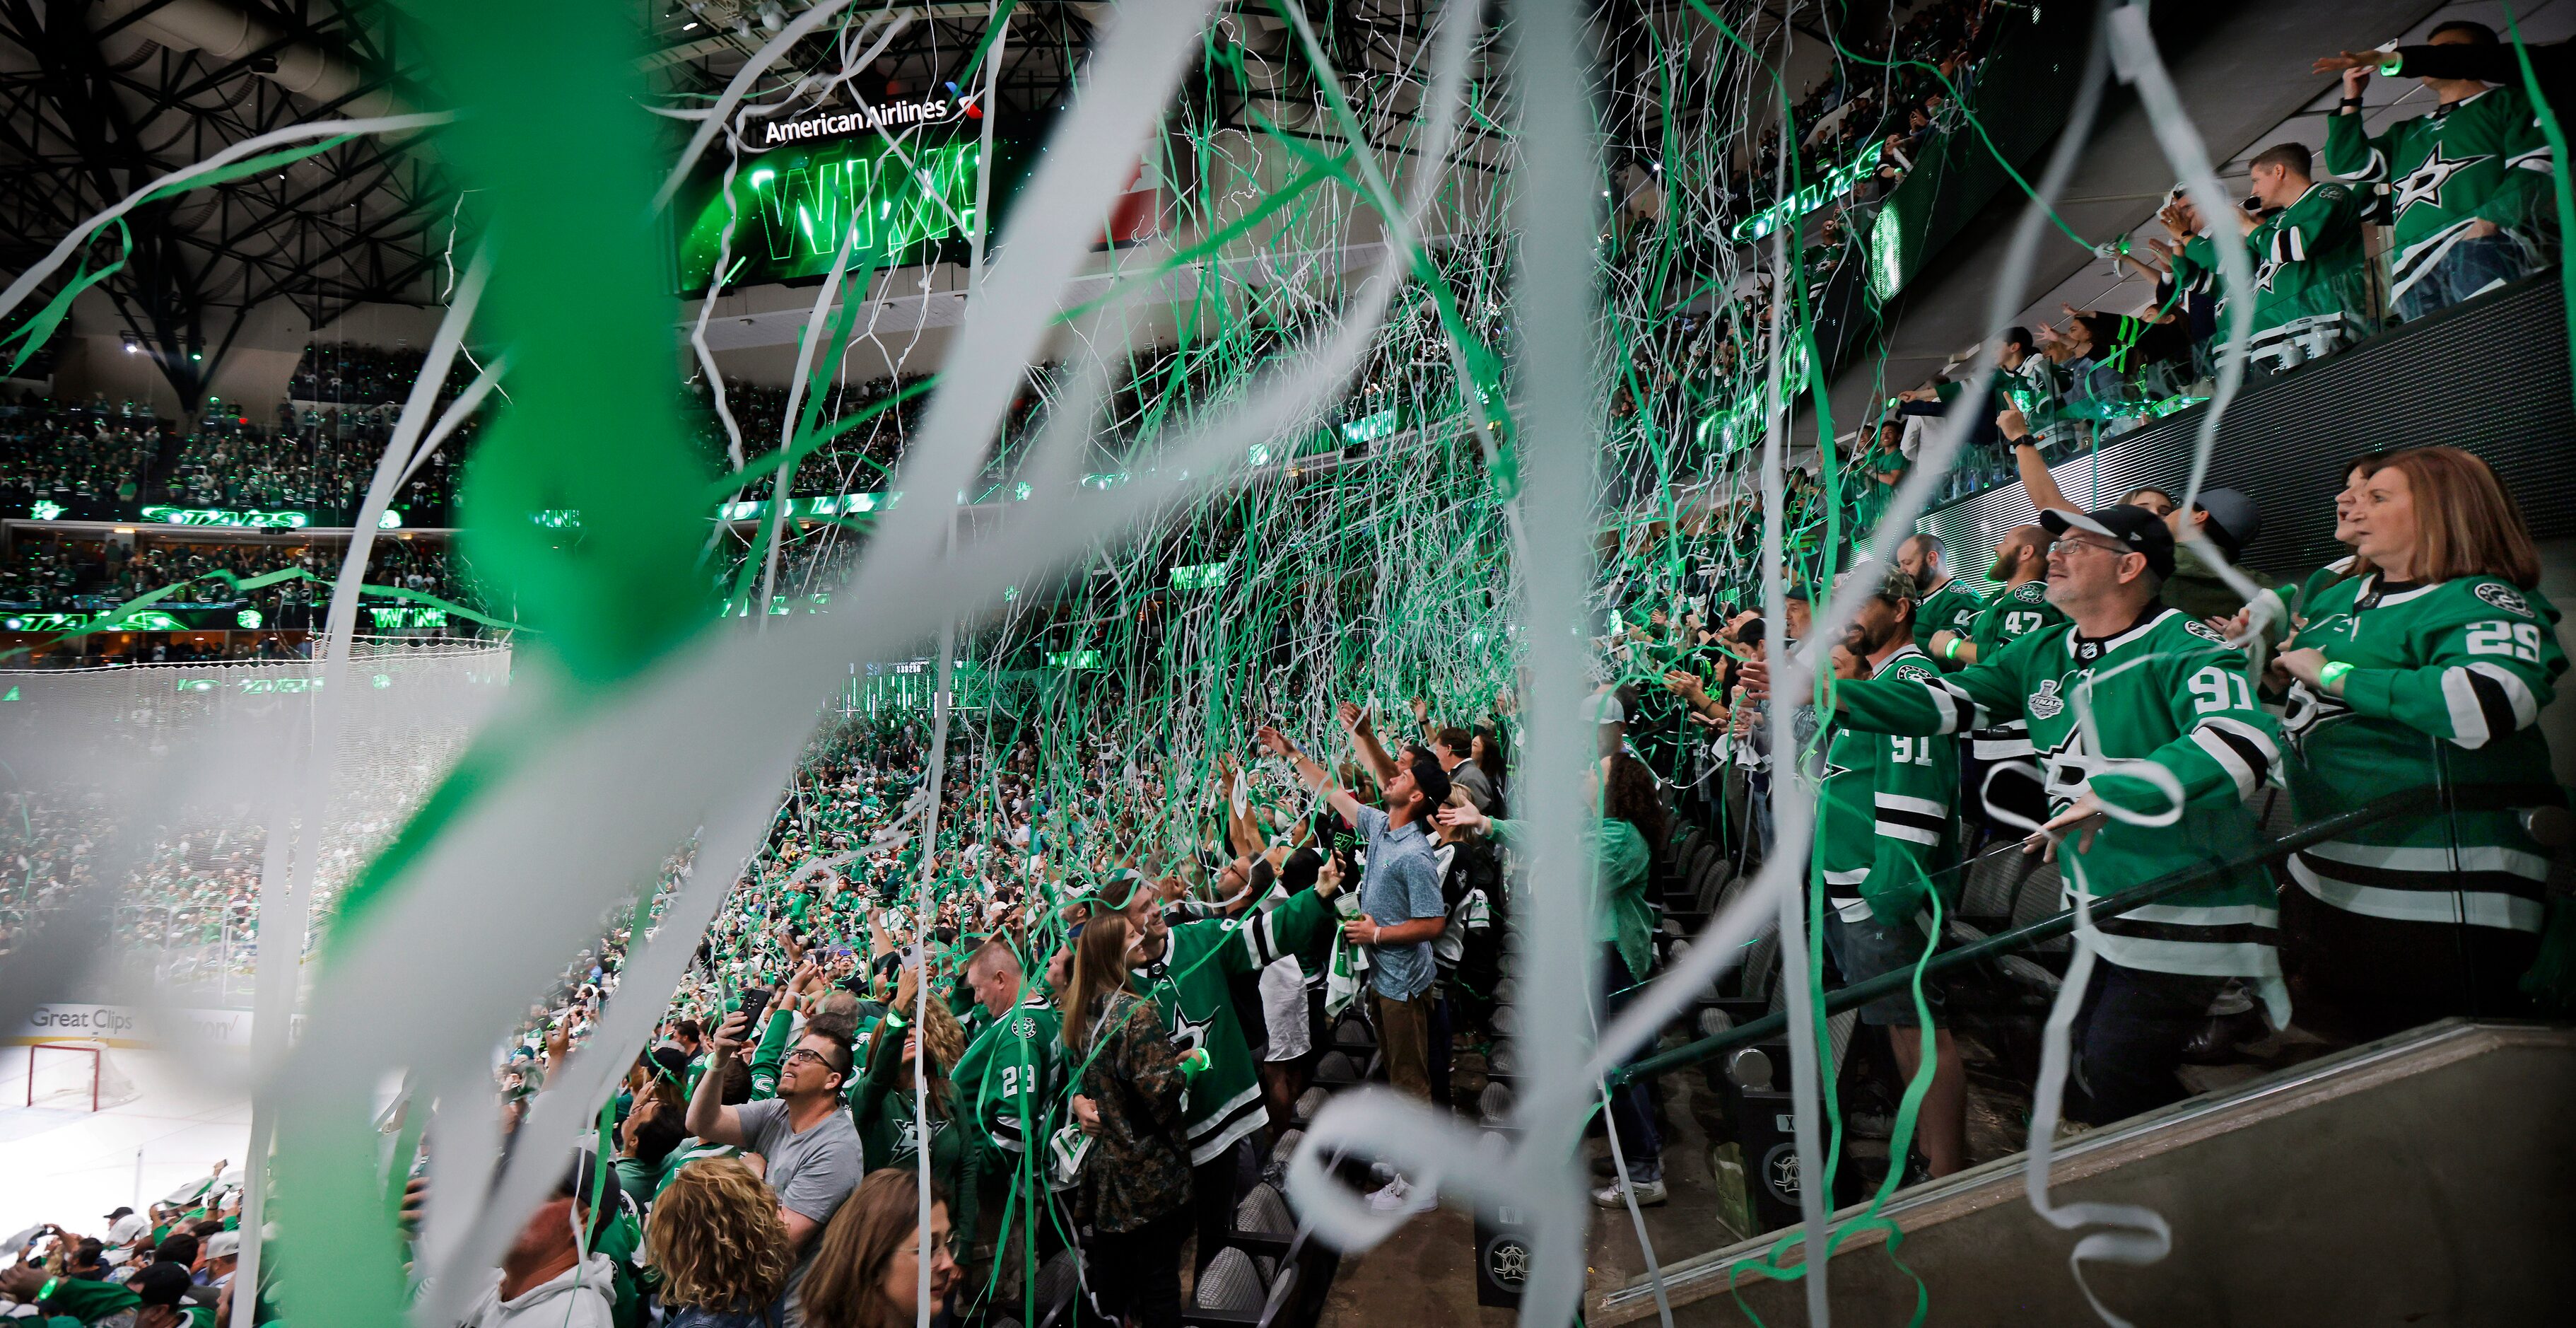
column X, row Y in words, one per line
column 160, row 1284
column 2233, row 520
column 2133, row 528
column 669, row 1064
column 1429, row 777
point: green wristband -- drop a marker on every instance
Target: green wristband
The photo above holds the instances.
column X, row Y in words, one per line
column 2331, row 675
column 48, row 1292
column 1950, row 650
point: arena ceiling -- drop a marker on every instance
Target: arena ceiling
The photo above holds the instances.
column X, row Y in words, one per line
column 99, row 96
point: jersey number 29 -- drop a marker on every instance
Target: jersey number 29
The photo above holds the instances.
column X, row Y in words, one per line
column 2511, row 639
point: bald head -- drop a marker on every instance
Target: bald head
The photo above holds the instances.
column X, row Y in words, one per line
column 993, row 974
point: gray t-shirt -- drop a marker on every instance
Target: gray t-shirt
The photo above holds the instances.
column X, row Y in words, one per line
column 1400, row 884
column 811, row 1172
column 1480, row 788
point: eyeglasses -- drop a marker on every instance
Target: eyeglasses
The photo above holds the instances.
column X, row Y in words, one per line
column 807, row 1053
column 2070, row 543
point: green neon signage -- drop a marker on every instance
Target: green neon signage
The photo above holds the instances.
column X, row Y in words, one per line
column 251, row 518
column 1369, row 428
column 791, row 210
column 1837, row 182
column 1205, row 576
column 398, row 617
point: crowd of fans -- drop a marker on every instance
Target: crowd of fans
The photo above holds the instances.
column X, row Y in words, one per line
column 2463, row 194
column 1115, row 1025
column 170, row 1266
column 71, row 574
column 1886, row 93
column 1097, row 993
column 64, row 454
column 1062, row 943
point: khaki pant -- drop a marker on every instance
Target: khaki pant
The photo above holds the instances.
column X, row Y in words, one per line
column 1403, row 1038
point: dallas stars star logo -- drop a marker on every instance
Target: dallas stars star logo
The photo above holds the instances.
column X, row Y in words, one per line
column 2424, row 183
column 2067, row 765
column 1189, row 1034
column 907, row 1134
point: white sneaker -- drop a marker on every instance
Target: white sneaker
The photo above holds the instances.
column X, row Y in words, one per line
column 1402, row 1196
column 1650, row 1194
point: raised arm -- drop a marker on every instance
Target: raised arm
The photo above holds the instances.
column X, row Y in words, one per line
column 1241, row 834
column 709, row 1118
column 1315, row 776
column 2035, row 479
column 1364, row 741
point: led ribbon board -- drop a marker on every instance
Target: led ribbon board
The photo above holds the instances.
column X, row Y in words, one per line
column 899, row 173
column 1836, row 183
column 225, row 516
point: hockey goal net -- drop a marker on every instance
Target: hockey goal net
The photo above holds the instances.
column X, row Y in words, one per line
column 74, row 1076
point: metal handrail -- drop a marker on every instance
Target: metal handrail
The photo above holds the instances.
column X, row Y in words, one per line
column 2465, row 797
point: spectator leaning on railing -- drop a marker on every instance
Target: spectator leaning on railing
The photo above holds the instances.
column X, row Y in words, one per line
column 2311, row 292
column 2470, row 181
column 1886, row 822
column 2137, row 707
column 2427, row 666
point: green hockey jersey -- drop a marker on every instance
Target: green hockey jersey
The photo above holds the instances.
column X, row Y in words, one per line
column 2167, row 692
column 1884, row 822
column 1011, row 1073
column 2482, row 158
column 2308, row 262
column 2447, row 681
column 2014, row 612
column 1952, row 608
column 1190, row 989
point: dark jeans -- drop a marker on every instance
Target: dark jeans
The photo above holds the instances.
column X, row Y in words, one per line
column 2129, row 1038
column 1214, row 1190
column 1631, row 1114
column 2465, row 269
column 699, row 1316
column 1136, row 1275
column 2354, row 977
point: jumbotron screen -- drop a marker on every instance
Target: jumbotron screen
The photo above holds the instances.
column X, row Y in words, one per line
column 899, row 171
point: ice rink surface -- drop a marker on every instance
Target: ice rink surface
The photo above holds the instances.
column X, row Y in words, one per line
column 73, row 1166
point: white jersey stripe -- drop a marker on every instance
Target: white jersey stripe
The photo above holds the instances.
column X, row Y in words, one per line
column 2477, row 908
column 2468, row 718
column 2469, row 858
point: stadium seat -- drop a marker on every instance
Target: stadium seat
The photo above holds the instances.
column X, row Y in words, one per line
column 1992, row 879
column 2041, row 894
column 1059, row 1278
column 1233, row 1290
column 1263, row 1223
column 1308, row 1104
column 1333, row 1069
